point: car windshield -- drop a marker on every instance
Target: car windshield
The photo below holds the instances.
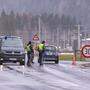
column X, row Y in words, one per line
column 12, row 42
column 50, row 48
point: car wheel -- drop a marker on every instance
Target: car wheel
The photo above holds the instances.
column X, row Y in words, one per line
column 22, row 62
column 1, row 63
column 57, row 61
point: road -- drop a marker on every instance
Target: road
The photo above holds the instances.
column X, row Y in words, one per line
column 48, row 77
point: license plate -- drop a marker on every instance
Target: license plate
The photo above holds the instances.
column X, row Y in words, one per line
column 12, row 58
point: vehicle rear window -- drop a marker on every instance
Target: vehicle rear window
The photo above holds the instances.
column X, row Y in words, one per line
column 50, row 48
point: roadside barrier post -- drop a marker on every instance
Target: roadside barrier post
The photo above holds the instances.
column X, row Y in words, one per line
column 74, row 59
column 26, row 59
column 75, row 48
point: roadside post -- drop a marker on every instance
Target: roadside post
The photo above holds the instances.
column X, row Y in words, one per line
column 26, row 57
column 75, row 48
column 0, row 50
column 1, row 67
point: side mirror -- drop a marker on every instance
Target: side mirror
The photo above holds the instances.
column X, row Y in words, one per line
column 5, row 37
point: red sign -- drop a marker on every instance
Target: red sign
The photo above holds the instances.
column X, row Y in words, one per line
column 86, row 51
column 35, row 37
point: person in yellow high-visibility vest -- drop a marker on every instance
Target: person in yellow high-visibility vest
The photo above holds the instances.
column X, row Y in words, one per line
column 41, row 49
column 29, row 50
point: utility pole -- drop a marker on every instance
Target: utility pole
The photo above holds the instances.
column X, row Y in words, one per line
column 78, row 37
column 64, row 39
column 45, row 34
column 57, row 37
column 39, row 28
column 85, row 37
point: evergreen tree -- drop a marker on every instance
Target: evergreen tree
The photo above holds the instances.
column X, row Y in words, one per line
column 11, row 23
column 19, row 22
column 3, row 22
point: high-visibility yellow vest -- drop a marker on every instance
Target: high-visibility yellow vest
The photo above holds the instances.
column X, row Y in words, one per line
column 27, row 48
column 41, row 46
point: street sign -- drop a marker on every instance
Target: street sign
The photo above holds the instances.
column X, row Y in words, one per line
column 35, row 37
column 86, row 51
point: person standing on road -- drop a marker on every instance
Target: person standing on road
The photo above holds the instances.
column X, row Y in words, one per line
column 41, row 49
column 30, row 53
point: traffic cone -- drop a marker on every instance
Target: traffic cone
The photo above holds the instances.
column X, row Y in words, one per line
column 74, row 60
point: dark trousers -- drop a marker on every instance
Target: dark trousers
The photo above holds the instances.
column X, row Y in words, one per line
column 28, row 61
column 40, row 60
column 30, row 58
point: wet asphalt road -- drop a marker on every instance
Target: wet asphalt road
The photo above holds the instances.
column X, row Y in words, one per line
column 50, row 76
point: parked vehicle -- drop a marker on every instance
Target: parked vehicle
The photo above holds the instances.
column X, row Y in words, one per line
column 51, row 54
column 12, row 50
